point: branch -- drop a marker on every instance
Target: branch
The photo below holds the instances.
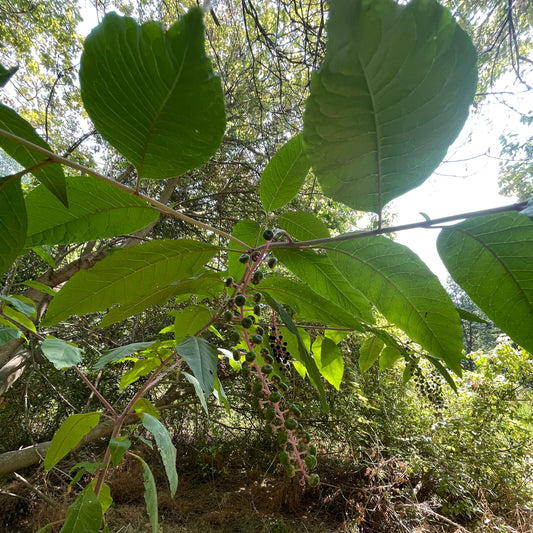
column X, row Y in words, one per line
column 155, row 203
column 430, row 224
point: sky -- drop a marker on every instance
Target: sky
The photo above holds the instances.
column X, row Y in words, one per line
column 466, row 181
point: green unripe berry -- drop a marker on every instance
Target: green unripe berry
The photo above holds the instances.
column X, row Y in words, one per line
column 282, row 437
column 267, row 369
column 284, row 458
column 236, row 355
column 250, row 357
column 268, row 358
column 257, row 309
column 291, row 471
column 245, row 372
column 275, row 396
column 272, row 262
column 244, row 258
column 234, row 336
column 257, row 339
column 227, row 316
column 283, row 386
column 257, row 277
column 229, row 282
column 270, row 414
column 247, row 322
column 310, row 461
column 259, row 330
column 240, row 300
column 257, row 297
column 312, row 449
column 313, row 480
column 268, row 429
column 255, row 402
column 268, row 235
column 291, row 424
column 297, row 413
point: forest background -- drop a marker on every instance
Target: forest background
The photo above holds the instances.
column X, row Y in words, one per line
column 392, row 454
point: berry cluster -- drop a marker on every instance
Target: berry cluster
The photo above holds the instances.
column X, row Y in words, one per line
column 429, row 386
column 278, row 346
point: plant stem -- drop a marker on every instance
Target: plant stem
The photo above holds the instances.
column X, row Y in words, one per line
column 162, row 208
column 430, row 224
column 96, row 392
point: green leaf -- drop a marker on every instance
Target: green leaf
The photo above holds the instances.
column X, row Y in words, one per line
column 369, row 352
column 190, row 320
column 143, row 405
column 21, row 304
column 329, row 360
column 97, row 210
column 51, row 175
column 19, row 318
column 284, row 175
column 45, row 289
column 68, row 436
column 150, row 495
column 127, row 275
column 471, row 317
column 85, row 514
column 118, row 354
column 44, row 253
column 249, row 232
column 392, row 94
column 405, row 291
column 305, row 358
column 141, row 368
column 5, row 74
column 321, row 274
column 60, row 353
column 198, row 389
column 8, row 334
column 303, row 226
column 389, row 356
column 220, row 394
column 152, row 94
column 202, row 358
column 84, row 467
column 166, row 449
column 206, row 284
column 308, row 305
column 118, row 447
column 104, row 497
column 491, row 258
column 12, row 222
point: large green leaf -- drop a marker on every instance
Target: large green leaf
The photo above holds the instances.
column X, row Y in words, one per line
column 202, row 358
column 205, row 284
column 405, row 291
column 150, row 495
column 166, row 449
column 284, row 175
column 152, row 94
column 303, row 226
column 329, row 360
column 85, row 514
column 370, row 350
column 390, row 97
column 190, row 320
column 308, row 305
column 97, row 210
column 68, row 436
column 120, row 353
column 333, row 284
column 50, row 175
column 142, row 367
column 491, row 258
column 128, row 274
column 60, row 353
column 12, row 222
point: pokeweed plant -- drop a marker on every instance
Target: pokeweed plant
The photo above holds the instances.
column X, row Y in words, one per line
column 391, row 95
